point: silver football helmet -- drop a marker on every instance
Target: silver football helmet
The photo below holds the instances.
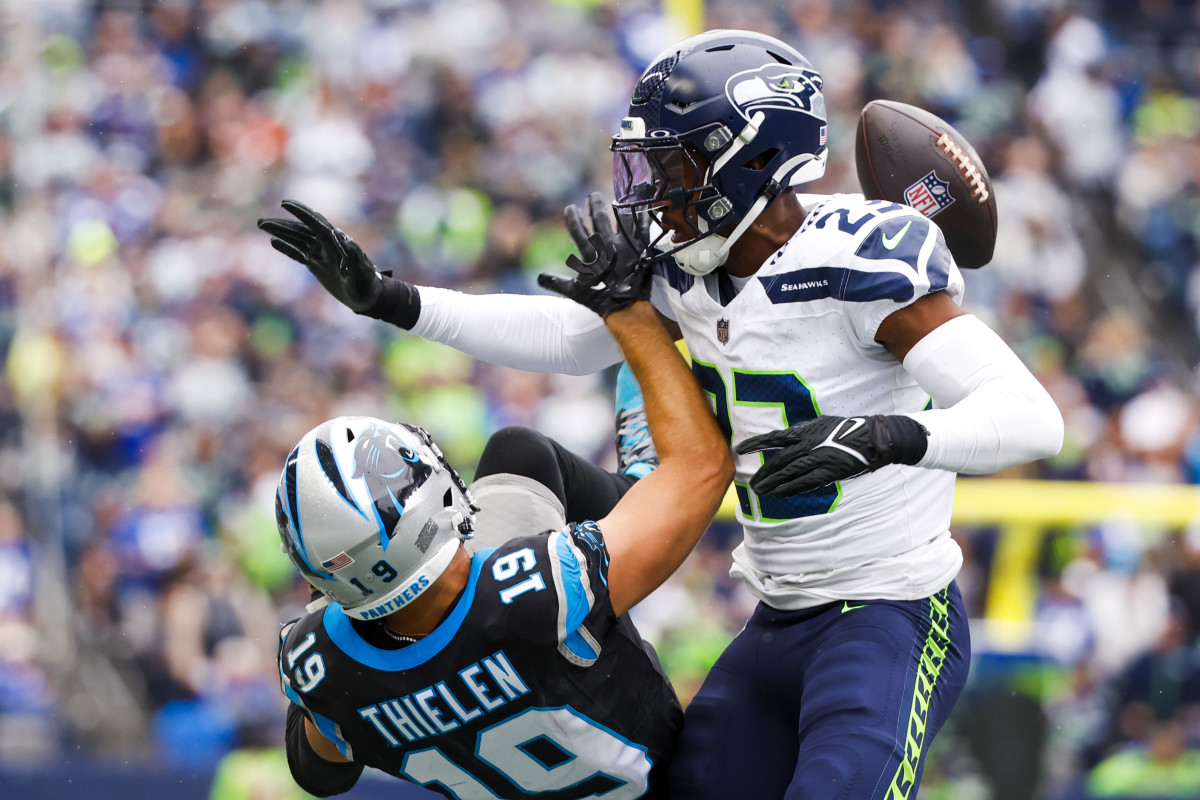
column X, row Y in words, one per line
column 370, row 513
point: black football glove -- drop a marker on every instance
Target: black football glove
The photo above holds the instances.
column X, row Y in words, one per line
column 827, row 449
column 630, row 241
column 342, row 267
column 331, row 256
column 612, row 273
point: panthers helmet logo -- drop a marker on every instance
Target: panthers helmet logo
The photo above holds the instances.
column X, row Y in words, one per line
column 392, row 471
column 778, row 86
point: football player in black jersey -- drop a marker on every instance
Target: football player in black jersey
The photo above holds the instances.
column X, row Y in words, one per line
column 513, row 672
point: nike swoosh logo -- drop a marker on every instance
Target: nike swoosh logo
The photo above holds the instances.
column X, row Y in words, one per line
column 890, row 242
column 842, row 431
column 847, row 607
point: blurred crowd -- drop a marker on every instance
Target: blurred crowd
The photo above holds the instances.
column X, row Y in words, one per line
column 160, row 359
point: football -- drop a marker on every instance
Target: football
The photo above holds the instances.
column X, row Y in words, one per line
column 908, row 155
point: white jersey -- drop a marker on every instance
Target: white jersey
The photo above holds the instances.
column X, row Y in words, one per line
column 798, row 341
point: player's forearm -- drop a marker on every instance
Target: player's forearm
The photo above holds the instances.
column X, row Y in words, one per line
column 661, row 518
column 531, row 332
column 680, row 418
column 995, row 413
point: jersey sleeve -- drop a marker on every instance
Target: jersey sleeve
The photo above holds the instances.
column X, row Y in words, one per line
column 584, row 605
column 556, row 588
column 312, row 773
column 900, row 257
column 302, row 670
column 531, row 332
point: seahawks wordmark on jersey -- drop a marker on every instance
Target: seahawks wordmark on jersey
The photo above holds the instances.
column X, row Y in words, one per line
column 531, row 686
column 796, row 341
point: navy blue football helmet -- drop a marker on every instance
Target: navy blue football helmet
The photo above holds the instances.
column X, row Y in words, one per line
column 719, row 125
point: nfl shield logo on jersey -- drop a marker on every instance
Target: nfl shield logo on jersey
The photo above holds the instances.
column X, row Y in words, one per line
column 723, row 331
column 929, row 195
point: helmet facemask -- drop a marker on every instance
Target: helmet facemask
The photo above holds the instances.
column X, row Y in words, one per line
column 666, row 179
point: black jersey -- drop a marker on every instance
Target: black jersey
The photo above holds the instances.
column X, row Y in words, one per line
column 531, row 686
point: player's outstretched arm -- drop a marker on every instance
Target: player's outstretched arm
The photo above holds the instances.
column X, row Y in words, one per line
column 992, row 412
column 658, row 522
column 534, row 333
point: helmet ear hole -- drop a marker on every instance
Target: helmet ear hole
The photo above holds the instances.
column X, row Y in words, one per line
column 349, row 435
column 760, row 161
column 448, row 499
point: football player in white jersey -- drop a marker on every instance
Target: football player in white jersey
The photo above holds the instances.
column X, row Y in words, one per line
column 850, row 383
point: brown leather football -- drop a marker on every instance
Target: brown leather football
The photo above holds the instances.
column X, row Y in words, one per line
column 908, row 155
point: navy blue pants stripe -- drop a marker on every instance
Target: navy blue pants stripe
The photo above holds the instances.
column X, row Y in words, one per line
column 838, row 702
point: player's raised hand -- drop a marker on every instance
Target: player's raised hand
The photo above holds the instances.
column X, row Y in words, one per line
column 600, row 283
column 827, row 449
column 331, row 256
column 611, row 272
column 630, row 240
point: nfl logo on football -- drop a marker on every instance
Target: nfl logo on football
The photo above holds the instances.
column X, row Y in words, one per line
column 929, row 195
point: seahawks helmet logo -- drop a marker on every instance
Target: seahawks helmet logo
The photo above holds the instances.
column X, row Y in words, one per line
column 779, row 86
column 391, row 471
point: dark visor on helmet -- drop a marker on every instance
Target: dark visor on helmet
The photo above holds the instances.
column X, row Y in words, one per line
column 634, row 178
column 650, row 175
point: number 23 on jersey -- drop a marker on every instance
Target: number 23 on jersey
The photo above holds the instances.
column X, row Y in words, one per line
column 786, row 391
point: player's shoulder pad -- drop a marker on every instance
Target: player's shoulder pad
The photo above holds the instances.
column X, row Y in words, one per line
column 293, row 633
column 850, row 216
column 664, row 267
column 300, row 627
column 284, row 631
column 565, row 573
column 574, row 555
column 809, row 201
column 292, row 638
column 887, row 251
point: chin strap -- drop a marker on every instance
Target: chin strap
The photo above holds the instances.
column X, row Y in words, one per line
column 317, row 603
column 464, row 524
column 703, row 255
